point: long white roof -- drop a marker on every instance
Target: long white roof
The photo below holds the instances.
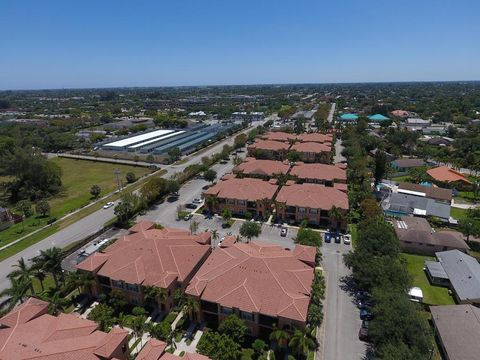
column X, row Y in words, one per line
column 139, row 138
column 156, row 139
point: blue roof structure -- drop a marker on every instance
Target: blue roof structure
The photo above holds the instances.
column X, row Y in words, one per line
column 378, row 117
column 349, row 117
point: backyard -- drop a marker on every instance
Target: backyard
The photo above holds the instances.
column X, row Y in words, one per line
column 432, row 295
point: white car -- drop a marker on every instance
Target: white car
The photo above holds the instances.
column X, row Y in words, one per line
column 284, row 231
column 108, row 205
column 197, row 201
column 347, row 239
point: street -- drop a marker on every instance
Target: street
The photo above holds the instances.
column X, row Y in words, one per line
column 339, row 335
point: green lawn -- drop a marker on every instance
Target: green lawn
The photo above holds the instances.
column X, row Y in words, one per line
column 403, row 178
column 77, row 177
column 458, row 213
column 353, row 232
column 432, row 295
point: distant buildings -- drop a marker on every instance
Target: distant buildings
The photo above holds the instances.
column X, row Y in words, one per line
column 313, row 152
column 264, row 169
column 417, row 236
column 319, row 173
column 348, row 118
column 265, row 285
column 400, row 113
column 404, row 165
column 269, row 149
column 459, row 272
column 28, row 332
column 378, row 118
column 244, row 116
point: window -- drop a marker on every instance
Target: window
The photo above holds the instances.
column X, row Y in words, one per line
column 231, row 201
column 313, row 211
column 246, row 316
column 132, row 287
column 301, row 210
column 118, row 284
column 241, row 202
column 226, row 310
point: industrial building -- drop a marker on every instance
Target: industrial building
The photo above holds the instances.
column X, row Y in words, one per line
column 160, row 141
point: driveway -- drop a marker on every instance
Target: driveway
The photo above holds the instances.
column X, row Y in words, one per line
column 339, row 333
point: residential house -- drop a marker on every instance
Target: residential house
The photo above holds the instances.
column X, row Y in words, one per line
column 400, row 113
column 404, row 165
column 418, row 200
column 268, row 149
column 457, row 330
column 416, row 124
column 459, row 272
column 436, row 129
column 316, row 137
column 29, row 332
column 444, row 174
column 264, row 169
column 440, row 141
column 266, row 285
column 311, row 202
column 319, row 173
column 156, row 350
column 166, row 258
column 312, row 152
column 279, row 136
column 417, row 236
column 242, row 196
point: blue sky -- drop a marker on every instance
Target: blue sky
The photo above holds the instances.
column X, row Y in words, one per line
column 107, row 43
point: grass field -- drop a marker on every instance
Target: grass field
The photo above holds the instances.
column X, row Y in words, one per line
column 432, row 295
column 458, row 213
column 77, row 178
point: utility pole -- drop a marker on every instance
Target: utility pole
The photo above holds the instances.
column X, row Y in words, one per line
column 117, row 174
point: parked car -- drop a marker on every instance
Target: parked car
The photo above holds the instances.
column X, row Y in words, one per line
column 197, row 201
column 347, row 239
column 363, row 304
column 224, row 162
column 328, row 238
column 191, row 206
column 187, row 217
column 283, row 232
column 338, row 239
column 362, row 295
column 363, row 334
column 366, row 315
column 108, row 205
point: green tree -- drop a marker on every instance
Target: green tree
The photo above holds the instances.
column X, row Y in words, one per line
column 210, row 175
column 259, row 346
column 191, row 306
column 226, row 215
column 302, row 342
column 17, row 292
column 279, row 337
column 150, row 158
column 193, row 226
column 130, row 177
column 308, row 237
column 57, row 302
column 161, row 331
column 234, row 328
column 25, row 207
column 250, row 229
column 117, row 300
column 155, row 294
column 103, row 315
column 293, row 156
column 50, row 260
column 42, row 208
column 23, row 273
column 469, row 227
column 218, row 347
column 174, row 154
column 380, row 166
column 95, row 191
column 337, row 217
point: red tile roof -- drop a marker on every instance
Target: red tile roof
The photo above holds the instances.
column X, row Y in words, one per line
column 252, row 166
column 314, row 196
column 243, row 189
column 316, row 137
column 156, row 257
column 318, row 172
column 311, row 147
column 256, row 277
column 142, row 226
column 155, row 350
column 279, row 136
column 31, row 333
column 269, row 145
column 445, row 174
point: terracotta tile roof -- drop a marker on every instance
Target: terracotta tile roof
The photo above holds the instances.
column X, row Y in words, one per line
column 318, row 172
column 43, row 336
column 152, row 350
column 445, row 174
column 142, row 226
column 256, row 277
column 311, row 147
column 252, row 166
column 316, row 137
column 243, row 189
column 154, row 257
column 269, row 145
column 155, row 350
column 341, row 187
column 314, row 196
column 279, row 136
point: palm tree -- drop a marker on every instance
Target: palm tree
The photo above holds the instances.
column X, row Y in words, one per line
column 40, row 276
column 51, row 261
column 16, row 292
column 24, row 272
column 279, row 337
column 57, row 301
column 214, row 234
column 179, row 297
column 155, row 294
column 302, row 342
column 192, row 306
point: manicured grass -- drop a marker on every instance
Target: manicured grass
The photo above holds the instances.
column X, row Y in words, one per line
column 48, row 283
column 403, row 178
column 78, row 176
column 353, row 232
column 432, row 295
column 458, row 213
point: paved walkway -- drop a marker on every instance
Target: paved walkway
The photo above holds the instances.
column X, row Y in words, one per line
column 192, row 348
column 464, row 206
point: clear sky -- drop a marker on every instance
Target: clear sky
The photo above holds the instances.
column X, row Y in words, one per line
column 109, row 43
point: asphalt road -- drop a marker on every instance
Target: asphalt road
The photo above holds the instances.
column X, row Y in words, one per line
column 95, row 221
column 342, row 318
